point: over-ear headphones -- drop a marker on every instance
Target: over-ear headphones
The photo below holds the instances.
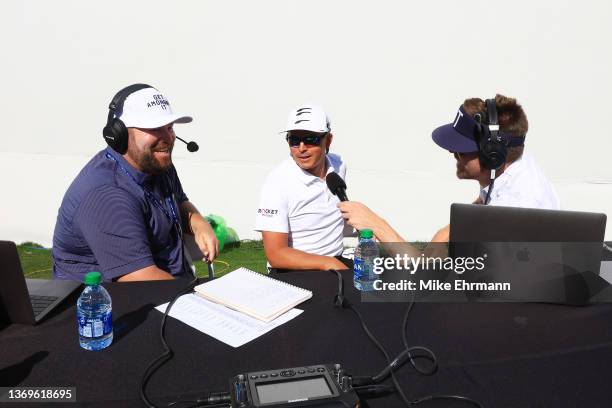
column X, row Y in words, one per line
column 115, row 133
column 492, row 147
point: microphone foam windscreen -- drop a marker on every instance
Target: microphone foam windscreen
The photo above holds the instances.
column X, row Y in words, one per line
column 192, row 147
column 334, row 182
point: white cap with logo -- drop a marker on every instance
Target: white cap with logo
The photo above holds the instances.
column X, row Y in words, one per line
column 308, row 117
column 149, row 109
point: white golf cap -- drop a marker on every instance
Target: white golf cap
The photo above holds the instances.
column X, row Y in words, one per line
column 308, row 117
column 149, row 109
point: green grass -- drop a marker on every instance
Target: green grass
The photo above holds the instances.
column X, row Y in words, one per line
column 36, row 260
column 247, row 254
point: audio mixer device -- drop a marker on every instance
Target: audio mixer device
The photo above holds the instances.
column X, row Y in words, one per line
column 317, row 385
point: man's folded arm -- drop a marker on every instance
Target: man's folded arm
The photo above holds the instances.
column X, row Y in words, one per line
column 149, row 273
column 281, row 256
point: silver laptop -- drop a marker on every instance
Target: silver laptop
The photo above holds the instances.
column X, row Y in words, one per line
column 23, row 300
column 547, row 255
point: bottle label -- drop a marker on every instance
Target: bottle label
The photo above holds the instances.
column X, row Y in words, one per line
column 359, row 267
column 95, row 326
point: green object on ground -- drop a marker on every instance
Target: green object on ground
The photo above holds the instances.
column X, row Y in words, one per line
column 232, row 236
column 220, row 228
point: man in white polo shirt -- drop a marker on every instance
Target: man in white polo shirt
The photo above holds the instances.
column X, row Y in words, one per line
column 301, row 225
column 487, row 141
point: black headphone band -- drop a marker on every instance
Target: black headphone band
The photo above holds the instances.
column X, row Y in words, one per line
column 491, row 112
column 115, row 133
column 116, row 105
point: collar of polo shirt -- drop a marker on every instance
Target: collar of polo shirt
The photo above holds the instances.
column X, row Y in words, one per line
column 308, row 178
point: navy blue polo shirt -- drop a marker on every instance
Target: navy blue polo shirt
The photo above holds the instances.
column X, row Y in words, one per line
column 108, row 223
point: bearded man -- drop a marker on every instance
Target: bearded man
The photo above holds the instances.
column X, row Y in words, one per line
column 125, row 212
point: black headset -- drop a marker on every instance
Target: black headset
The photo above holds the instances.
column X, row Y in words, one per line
column 115, row 133
column 492, row 147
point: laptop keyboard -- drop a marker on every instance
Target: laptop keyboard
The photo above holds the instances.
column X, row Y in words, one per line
column 40, row 303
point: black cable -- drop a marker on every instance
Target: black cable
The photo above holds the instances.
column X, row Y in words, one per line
column 408, row 350
column 382, row 350
column 341, row 301
column 167, row 353
column 486, row 201
column 199, row 403
column 434, row 368
column 390, row 366
column 373, row 391
column 446, row 397
column 214, row 399
column 173, row 403
column 405, row 355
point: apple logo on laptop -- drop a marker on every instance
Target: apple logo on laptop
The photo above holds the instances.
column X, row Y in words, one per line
column 523, row 255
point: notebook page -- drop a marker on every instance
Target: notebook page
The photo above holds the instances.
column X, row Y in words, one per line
column 231, row 327
column 253, row 293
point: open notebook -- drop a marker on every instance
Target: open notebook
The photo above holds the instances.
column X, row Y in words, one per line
column 253, row 294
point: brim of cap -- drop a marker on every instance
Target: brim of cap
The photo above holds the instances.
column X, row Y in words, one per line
column 306, row 129
column 448, row 138
column 159, row 121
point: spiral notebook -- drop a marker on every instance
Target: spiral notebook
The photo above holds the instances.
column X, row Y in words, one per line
column 253, row 294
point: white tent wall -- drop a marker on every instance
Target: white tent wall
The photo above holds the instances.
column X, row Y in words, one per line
column 388, row 73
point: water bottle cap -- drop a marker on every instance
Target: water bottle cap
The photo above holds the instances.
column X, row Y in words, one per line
column 366, row 233
column 93, row 278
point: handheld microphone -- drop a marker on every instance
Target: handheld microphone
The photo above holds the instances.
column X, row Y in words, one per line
column 191, row 146
column 336, row 185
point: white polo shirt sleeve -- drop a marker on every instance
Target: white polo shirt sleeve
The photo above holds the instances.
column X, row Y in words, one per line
column 272, row 213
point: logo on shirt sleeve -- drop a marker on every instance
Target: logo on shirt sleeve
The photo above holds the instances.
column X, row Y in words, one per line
column 267, row 212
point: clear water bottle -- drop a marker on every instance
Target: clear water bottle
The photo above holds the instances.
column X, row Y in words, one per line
column 94, row 314
column 366, row 251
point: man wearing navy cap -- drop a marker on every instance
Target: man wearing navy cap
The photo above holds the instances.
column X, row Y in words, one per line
column 487, row 140
column 125, row 213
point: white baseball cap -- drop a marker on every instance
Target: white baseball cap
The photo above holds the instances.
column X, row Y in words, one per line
column 308, row 117
column 147, row 108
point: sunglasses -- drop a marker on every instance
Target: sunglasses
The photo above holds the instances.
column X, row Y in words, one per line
column 310, row 140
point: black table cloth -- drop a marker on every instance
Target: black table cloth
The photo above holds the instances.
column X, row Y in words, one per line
column 500, row 354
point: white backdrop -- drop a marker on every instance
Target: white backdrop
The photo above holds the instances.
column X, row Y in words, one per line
column 388, row 72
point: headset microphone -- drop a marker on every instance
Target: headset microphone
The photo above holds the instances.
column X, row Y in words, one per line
column 191, row 146
column 336, row 185
column 115, row 131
